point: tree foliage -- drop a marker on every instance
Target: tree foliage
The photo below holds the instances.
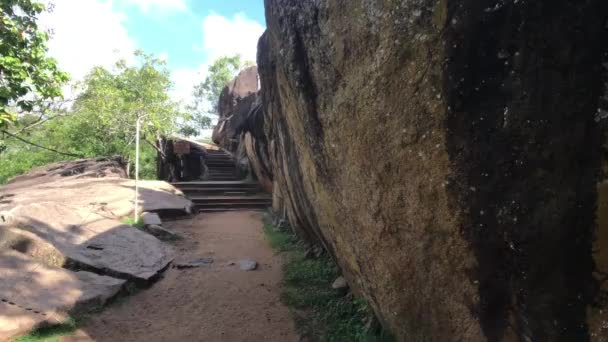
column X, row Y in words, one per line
column 102, row 119
column 207, row 93
column 222, row 71
column 26, row 73
column 113, row 100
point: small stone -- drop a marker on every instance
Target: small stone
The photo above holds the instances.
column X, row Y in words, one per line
column 202, row 262
column 248, row 265
column 151, row 218
column 339, row 284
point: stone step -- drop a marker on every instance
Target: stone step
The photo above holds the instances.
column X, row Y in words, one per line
column 215, row 210
column 216, row 184
column 231, row 199
column 221, row 166
column 219, row 206
column 223, row 179
column 203, row 190
column 217, row 157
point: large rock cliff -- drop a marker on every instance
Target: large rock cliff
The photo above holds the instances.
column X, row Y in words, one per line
column 240, row 128
column 446, row 154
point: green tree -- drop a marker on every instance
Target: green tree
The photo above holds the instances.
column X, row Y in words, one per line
column 207, row 93
column 27, row 75
column 102, row 120
column 112, row 102
column 222, row 71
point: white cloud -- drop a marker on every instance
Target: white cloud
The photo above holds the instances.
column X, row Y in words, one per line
column 160, row 5
column 223, row 36
column 86, row 33
column 184, row 81
column 163, row 56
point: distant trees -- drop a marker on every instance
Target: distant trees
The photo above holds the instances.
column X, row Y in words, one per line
column 114, row 99
column 102, row 119
column 27, row 75
column 38, row 127
column 207, row 93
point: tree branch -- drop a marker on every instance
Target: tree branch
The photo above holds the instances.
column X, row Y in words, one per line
column 156, row 148
column 40, row 146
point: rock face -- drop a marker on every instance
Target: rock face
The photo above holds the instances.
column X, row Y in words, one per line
column 240, row 129
column 32, row 293
column 446, row 154
column 70, row 214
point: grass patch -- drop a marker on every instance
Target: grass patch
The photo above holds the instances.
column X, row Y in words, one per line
column 137, row 224
column 279, row 241
column 320, row 312
column 50, row 333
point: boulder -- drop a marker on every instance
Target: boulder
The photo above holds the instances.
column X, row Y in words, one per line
column 92, row 241
column 151, row 218
column 446, row 154
column 110, row 194
column 240, row 129
column 160, row 233
column 234, row 104
column 339, row 284
column 33, row 294
column 70, row 214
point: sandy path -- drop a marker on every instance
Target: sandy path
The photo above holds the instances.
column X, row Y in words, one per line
column 218, row 303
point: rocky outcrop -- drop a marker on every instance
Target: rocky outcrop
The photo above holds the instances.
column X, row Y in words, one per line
column 446, row 154
column 234, row 104
column 240, row 128
column 33, row 294
column 70, row 214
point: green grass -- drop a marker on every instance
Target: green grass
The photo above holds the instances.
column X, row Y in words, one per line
column 279, row 241
column 130, row 221
column 320, row 312
column 50, row 333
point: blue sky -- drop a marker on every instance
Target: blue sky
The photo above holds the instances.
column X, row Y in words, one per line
column 189, row 34
column 178, row 33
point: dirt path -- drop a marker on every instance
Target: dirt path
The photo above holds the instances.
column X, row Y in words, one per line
column 216, row 303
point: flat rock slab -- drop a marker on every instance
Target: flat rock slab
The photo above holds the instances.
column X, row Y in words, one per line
column 92, row 240
column 32, row 294
column 110, row 196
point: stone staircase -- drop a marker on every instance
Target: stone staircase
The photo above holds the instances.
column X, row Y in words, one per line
column 224, row 190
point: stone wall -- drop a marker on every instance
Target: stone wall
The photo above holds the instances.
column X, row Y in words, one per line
column 446, row 154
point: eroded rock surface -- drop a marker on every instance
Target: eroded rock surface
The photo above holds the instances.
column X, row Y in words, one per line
column 240, row 129
column 446, row 153
column 32, row 293
column 70, row 214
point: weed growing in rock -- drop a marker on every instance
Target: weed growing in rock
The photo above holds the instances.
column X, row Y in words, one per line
column 137, row 224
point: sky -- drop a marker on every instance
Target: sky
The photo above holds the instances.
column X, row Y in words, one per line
column 188, row 34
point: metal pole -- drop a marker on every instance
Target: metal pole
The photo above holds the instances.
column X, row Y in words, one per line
column 135, row 216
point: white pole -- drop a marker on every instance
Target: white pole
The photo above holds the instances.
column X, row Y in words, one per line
column 135, row 216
